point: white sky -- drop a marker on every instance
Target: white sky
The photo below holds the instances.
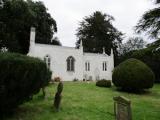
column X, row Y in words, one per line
column 68, row 14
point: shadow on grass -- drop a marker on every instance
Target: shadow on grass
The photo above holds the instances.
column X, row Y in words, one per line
column 133, row 91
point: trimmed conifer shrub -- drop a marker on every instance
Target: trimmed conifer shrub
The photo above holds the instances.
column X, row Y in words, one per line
column 20, row 77
column 133, row 74
column 103, row 83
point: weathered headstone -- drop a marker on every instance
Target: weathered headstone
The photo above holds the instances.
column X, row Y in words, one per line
column 122, row 108
column 58, row 96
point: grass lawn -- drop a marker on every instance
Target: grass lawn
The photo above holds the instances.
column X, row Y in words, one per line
column 83, row 101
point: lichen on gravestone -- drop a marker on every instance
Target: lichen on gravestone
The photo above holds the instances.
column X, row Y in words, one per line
column 122, row 108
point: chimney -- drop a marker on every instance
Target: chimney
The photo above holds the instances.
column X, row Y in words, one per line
column 32, row 41
column 104, row 52
column 81, row 46
column 112, row 54
column 32, row 34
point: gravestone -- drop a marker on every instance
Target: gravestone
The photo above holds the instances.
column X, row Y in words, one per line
column 122, row 108
column 58, row 96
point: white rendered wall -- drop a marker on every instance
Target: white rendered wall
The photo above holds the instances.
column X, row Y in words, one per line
column 96, row 66
column 60, row 54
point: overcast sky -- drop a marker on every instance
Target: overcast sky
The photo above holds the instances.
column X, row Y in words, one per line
column 68, row 14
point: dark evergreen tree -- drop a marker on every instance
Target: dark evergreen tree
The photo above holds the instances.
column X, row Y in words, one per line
column 150, row 22
column 96, row 31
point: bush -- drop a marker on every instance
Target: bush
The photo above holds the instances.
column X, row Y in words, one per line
column 21, row 77
column 150, row 56
column 103, row 83
column 133, row 74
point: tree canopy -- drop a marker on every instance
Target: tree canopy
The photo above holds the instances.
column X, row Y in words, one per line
column 150, row 22
column 16, row 18
column 96, row 31
column 133, row 43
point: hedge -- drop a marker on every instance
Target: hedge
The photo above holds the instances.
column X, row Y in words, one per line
column 20, row 77
column 103, row 83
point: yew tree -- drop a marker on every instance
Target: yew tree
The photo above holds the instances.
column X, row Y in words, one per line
column 97, row 31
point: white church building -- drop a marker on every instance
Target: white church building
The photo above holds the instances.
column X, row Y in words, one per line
column 71, row 63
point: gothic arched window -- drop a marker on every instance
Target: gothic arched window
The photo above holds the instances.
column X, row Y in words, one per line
column 104, row 66
column 70, row 64
column 87, row 66
column 47, row 60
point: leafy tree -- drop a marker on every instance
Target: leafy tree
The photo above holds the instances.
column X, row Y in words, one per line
column 96, row 31
column 150, row 22
column 133, row 43
column 16, row 18
column 11, row 25
column 44, row 23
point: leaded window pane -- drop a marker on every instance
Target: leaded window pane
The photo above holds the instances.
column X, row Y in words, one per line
column 70, row 64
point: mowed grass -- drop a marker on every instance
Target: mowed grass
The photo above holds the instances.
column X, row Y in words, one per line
column 85, row 101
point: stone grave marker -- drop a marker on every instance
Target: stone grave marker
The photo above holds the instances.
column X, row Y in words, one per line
column 122, row 108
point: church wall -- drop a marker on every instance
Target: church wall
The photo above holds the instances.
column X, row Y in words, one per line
column 59, row 56
column 96, row 66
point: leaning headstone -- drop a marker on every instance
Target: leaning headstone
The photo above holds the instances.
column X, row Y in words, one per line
column 58, row 96
column 122, row 108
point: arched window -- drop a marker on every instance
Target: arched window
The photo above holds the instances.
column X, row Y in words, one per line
column 87, row 66
column 70, row 64
column 47, row 60
column 104, row 66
